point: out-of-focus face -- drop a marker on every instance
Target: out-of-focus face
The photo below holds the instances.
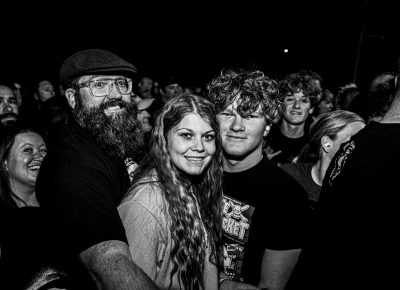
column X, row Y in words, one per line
column 317, row 85
column 241, row 136
column 45, row 90
column 145, row 85
column 171, row 91
column 191, row 144
column 345, row 135
column 144, row 118
column 297, row 108
column 325, row 105
column 8, row 106
column 25, row 158
column 17, row 92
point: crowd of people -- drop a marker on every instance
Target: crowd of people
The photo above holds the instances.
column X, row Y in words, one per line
column 111, row 179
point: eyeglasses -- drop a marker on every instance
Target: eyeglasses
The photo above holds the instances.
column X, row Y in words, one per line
column 103, row 87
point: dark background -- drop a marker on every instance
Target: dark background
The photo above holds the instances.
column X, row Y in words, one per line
column 343, row 41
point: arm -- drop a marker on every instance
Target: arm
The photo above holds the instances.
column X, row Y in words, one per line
column 225, row 283
column 276, row 268
column 111, row 267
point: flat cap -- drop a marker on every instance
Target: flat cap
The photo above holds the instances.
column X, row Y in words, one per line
column 94, row 62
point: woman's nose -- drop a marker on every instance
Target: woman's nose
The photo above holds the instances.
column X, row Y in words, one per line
column 198, row 145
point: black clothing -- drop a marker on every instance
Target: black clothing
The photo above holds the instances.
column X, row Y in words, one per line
column 356, row 246
column 81, row 186
column 264, row 207
column 51, row 117
column 290, row 147
column 302, row 173
column 28, row 246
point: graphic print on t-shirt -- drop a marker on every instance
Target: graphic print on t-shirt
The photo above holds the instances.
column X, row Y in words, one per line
column 340, row 161
column 236, row 221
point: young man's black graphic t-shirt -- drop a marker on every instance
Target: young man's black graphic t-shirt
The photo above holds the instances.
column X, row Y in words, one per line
column 263, row 208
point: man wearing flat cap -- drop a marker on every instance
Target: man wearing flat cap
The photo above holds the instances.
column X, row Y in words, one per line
column 84, row 177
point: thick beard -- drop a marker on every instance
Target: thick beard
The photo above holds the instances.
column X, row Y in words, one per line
column 119, row 135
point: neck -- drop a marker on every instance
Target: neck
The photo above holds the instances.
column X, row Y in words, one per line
column 238, row 165
column 292, row 131
column 393, row 114
column 318, row 171
column 25, row 193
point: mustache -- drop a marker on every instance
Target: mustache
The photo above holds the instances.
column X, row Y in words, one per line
column 9, row 114
column 112, row 103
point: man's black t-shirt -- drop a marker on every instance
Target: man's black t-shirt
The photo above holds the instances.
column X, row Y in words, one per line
column 81, row 186
column 263, row 208
column 289, row 147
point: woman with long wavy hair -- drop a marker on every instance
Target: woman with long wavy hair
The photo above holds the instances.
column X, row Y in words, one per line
column 172, row 212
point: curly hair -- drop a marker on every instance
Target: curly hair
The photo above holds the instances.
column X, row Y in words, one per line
column 253, row 90
column 327, row 124
column 296, row 82
column 194, row 201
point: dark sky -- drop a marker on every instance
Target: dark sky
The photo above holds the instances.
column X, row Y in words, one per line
column 195, row 41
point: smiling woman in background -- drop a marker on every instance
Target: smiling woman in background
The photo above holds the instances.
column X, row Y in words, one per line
column 172, row 213
column 25, row 242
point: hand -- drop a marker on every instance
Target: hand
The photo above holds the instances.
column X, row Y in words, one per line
column 269, row 152
column 233, row 285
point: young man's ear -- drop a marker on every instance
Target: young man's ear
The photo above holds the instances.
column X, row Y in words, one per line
column 267, row 129
column 326, row 144
column 312, row 110
column 70, row 95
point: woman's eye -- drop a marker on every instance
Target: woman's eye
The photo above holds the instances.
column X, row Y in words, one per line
column 186, row 135
column 209, row 137
column 28, row 150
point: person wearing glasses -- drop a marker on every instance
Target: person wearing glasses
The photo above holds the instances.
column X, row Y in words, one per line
column 83, row 179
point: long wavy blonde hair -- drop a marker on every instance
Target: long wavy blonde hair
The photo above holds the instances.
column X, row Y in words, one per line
column 194, row 202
